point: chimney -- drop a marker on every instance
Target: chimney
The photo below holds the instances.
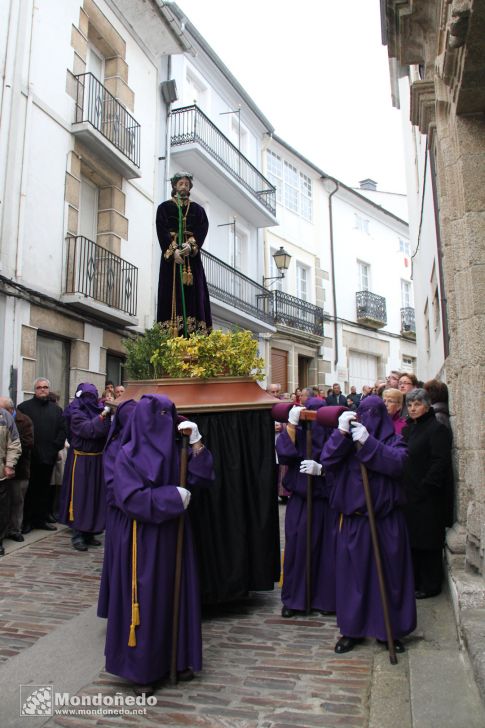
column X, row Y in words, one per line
column 368, row 184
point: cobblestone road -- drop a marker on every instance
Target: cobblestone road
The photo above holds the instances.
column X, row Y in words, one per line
column 259, row 669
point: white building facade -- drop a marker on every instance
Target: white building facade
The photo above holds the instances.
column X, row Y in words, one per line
column 82, row 125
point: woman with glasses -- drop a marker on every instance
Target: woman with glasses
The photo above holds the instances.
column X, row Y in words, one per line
column 393, row 400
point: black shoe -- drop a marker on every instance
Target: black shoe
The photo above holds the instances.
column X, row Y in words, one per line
column 15, row 537
column 2, row 550
column 346, row 644
column 324, row 613
column 79, row 545
column 27, row 528
column 51, row 519
column 286, row 612
column 45, row 527
column 398, row 645
column 426, row 595
column 143, row 690
column 185, row 675
column 91, row 541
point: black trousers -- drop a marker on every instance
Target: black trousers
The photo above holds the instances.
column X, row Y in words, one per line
column 428, row 570
column 4, row 507
column 36, row 507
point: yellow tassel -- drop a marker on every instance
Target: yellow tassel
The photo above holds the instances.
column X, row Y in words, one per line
column 71, row 512
column 340, row 521
column 280, row 583
column 132, row 638
column 136, row 614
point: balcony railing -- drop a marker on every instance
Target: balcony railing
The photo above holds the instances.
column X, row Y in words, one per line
column 96, row 105
column 228, row 285
column 190, row 125
column 371, row 309
column 408, row 323
column 101, row 275
column 292, row 311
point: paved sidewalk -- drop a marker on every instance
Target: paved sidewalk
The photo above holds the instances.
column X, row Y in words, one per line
column 260, row 671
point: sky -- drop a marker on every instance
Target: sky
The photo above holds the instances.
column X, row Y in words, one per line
column 319, row 73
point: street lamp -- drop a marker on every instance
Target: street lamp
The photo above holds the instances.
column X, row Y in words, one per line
column 282, row 261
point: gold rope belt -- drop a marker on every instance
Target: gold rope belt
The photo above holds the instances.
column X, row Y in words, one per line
column 71, row 502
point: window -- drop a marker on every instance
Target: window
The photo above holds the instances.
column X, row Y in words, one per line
column 404, row 247
column 88, row 210
column 301, row 282
column 364, row 275
column 427, row 339
column 95, row 63
column 293, row 188
column 408, row 364
column 114, row 368
column 53, row 363
column 406, row 300
column 195, row 92
column 275, row 173
column 361, row 223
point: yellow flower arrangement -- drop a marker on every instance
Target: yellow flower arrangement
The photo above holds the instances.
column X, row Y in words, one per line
column 218, row 354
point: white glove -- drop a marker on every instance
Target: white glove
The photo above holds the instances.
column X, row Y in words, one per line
column 106, row 411
column 359, row 433
column 310, row 467
column 185, row 249
column 344, row 421
column 195, row 435
column 185, row 495
column 294, row 415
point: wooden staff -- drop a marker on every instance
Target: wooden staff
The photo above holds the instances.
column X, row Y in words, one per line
column 184, row 457
column 378, row 560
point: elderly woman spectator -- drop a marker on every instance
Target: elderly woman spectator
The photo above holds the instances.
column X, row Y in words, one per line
column 393, row 400
column 426, row 478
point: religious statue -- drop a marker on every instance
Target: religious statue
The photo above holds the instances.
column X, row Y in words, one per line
column 183, row 296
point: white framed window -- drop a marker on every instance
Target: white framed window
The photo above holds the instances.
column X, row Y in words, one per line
column 408, row 364
column 405, row 247
column 195, row 91
column 406, row 294
column 293, row 188
column 95, row 63
column 364, row 275
column 275, row 172
column 302, row 276
column 361, row 223
column 88, row 209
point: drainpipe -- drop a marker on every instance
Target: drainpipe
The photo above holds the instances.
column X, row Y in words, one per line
column 332, row 269
column 443, row 300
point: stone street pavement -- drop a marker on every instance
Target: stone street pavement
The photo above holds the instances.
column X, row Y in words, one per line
column 260, row 670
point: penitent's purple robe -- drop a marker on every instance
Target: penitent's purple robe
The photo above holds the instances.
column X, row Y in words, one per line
column 83, row 490
column 359, row 606
column 145, row 476
column 121, row 420
column 324, row 526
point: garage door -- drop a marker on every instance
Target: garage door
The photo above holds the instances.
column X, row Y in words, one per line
column 362, row 369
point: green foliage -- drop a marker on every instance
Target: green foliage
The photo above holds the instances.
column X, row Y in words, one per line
column 218, row 354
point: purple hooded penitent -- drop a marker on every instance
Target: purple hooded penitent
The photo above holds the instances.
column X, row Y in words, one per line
column 324, row 523
column 145, row 472
column 359, row 607
column 82, row 503
column 121, row 420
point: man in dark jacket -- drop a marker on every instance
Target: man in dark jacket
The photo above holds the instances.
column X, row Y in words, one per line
column 49, row 438
column 336, row 398
column 19, row 483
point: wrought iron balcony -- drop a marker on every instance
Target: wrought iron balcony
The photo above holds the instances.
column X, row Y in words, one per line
column 297, row 314
column 99, row 109
column 234, row 288
column 408, row 323
column 371, row 309
column 95, row 275
column 190, row 125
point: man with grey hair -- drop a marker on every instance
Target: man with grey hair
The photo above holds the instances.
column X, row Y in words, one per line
column 19, row 483
column 10, row 450
column 49, row 438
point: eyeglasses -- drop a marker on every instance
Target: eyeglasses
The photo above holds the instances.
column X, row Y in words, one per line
column 42, row 386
